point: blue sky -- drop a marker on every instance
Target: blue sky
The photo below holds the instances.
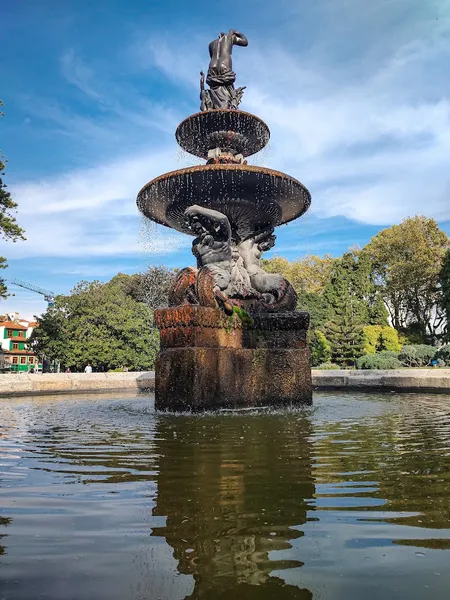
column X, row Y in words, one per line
column 356, row 95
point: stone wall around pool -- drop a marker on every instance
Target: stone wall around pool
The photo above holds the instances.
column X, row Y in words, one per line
column 14, row 384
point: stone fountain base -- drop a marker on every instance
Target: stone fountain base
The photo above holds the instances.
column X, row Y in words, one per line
column 208, row 360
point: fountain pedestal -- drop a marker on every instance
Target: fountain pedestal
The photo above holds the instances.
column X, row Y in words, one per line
column 231, row 336
column 209, row 360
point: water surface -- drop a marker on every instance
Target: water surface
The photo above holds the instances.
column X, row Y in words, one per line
column 103, row 498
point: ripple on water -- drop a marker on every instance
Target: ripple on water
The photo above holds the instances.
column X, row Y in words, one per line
column 102, row 497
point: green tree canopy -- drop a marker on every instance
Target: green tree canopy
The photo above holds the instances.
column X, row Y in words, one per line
column 307, row 275
column 9, row 229
column 101, row 324
column 346, row 294
column 407, row 264
column 445, row 289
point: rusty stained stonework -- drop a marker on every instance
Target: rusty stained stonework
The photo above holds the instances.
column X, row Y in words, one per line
column 198, row 379
column 208, row 360
column 188, row 326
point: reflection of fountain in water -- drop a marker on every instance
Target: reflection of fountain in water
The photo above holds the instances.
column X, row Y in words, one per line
column 234, row 507
column 4, row 522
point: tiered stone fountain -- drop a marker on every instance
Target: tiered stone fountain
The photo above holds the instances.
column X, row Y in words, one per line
column 231, row 336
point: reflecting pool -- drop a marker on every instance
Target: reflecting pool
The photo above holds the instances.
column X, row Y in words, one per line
column 103, row 498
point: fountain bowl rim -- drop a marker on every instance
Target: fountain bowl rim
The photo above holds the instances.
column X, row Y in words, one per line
column 221, row 168
column 232, row 111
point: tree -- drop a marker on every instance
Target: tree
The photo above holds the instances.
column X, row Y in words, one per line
column 377, row 338
column 407, row 264
column 445, row 298
column 345, row 294
column 9, row 229
column 153, row 286
column 307, row 275
column 98, row 323
column 378, row 313
column 320, row 348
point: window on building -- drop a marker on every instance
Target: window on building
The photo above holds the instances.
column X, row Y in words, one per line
column 31, row 360
column 15, row 346
column 9, row 332
column 15, row 360
column 23, row 360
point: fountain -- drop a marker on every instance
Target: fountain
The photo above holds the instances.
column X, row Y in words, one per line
column 231, row 336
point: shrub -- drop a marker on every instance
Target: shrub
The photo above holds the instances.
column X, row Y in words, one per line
column 371, row 333
column 320, row 348
column 382, row 360
column 328, row 367
column 389, row 340
column 443, row 355
column 414, row 334
column 418, row 355
column 378, row 338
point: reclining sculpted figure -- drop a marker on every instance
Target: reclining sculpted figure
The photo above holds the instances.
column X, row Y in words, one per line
column 212, row 249
column 277, row 293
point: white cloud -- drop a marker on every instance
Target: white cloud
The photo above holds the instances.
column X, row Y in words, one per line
column 369, row 135
column 90, row 212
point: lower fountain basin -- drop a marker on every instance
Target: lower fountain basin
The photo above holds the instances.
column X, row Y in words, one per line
column 251, row 197
column 230, row 130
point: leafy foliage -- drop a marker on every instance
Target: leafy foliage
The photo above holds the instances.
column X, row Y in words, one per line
column 328, row 367
column 320, row 348
column 377, row 338
column 307, row 275
column 345, row 296
column 3, row 288
column 9, row 229
column 382, row 360
column 443, row 354
column 378, row 313
column 407, row 264
column 445, row 290
column 416, row 356
column 98, row 323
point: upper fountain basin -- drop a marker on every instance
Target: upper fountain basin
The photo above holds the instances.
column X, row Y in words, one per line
column 251, row 197
column 230, row 130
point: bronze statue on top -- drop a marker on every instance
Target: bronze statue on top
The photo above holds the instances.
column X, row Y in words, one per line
column 221, row 77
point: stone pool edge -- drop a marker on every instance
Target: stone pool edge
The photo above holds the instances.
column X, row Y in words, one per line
column 399, row 380
column 67, row 383
column 402, row 380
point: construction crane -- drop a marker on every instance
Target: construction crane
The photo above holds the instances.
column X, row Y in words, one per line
column 48, row 296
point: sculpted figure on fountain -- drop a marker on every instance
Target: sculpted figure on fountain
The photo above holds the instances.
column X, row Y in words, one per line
column 221, row 76
column 212, row 249
column 276, row 293
column 228, row 272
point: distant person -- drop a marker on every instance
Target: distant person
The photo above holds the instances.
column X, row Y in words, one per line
column 68, row 370
column 88, row 368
